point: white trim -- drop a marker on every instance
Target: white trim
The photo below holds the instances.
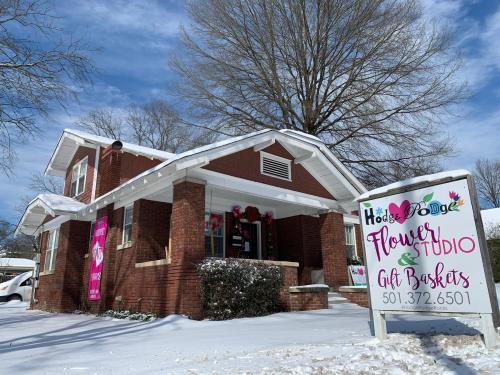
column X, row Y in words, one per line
column 96, row 172
column 54, row 223
column 258, row 189
column 263, row 145
column 124, row 244
column 78, row 165
column 259, row 236
column 351, row 219
column 305, row 157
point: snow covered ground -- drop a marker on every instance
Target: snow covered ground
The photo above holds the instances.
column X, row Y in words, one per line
column 336, row 341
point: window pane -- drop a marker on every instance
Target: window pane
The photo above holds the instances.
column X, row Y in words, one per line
column 56, row 239
column 349, row 234
column 46, row 265
column 81, row 185
column 74, row 173
column 72, row 193
column 129, row 213
column 127, row 234
column 53, row 260
column 350, row 251
column 83, row 168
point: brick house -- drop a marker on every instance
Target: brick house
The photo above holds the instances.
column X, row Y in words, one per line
column 273, row 196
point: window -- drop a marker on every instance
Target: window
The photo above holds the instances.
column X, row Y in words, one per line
column 350, row 242
column 275, row 166
column 78, row 176
column 127, row 224
column 51, row 252
column 214, row 234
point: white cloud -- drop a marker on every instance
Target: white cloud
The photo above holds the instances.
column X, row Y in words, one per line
column 152, row 17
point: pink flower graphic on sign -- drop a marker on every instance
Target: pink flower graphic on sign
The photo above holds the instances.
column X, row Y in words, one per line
column 97, row 254
column 360, row 271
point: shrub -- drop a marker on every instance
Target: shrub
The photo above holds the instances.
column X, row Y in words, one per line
column 494, row 249
column 236, row 288
column 126, row 314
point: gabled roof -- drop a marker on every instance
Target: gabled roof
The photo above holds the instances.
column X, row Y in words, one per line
column 311, row 151
column 71, row 139
column 43, row 205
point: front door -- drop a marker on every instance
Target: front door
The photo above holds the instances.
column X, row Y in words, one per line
column 249, row 233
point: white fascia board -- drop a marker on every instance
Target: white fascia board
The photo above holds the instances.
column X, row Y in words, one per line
column 257, row 189
column 263, row 145
column 192, row 163
column 54, row 223
column 351, row 219
column 306, row 156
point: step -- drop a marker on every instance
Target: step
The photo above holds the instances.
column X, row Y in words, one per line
column 336, row 298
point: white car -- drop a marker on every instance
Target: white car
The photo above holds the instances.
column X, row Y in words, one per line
column 19, row 288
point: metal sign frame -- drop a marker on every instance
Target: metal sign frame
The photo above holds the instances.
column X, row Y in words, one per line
column 489, row 321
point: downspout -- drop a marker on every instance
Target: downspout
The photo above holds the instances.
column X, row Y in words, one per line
column 96, row 171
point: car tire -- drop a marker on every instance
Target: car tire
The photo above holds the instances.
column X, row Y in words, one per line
column 15, row 297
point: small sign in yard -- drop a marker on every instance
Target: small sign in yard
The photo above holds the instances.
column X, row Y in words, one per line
column 425, row 251
column 358, row 275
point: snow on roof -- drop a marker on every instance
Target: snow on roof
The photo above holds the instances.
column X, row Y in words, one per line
column 16, row 263
column 59, row 202
column 414, row 181
column 130, row 147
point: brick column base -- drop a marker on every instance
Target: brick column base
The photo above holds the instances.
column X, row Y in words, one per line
column 333, row 249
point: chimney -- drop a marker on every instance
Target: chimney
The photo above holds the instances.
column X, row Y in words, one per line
column 109, row 168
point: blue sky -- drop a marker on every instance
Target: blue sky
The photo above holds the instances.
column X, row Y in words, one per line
column 135, row 39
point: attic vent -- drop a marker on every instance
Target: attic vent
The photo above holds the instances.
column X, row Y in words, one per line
column 275, row 166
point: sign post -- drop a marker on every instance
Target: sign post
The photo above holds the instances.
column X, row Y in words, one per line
column 426, row 253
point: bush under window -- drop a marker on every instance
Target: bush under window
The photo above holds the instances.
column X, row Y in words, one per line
column 236, row 288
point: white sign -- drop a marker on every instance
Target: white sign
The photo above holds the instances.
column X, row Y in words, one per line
column 423, row 253
column 358, row 275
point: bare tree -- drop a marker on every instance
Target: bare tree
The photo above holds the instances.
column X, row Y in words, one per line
column 103, row 122
column 487, row 177
column 21, row 246
column 38, row 68
column 40, row 183
column 371, row 78
column 154, row 125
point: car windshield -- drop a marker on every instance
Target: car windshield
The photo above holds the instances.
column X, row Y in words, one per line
column 20, row 278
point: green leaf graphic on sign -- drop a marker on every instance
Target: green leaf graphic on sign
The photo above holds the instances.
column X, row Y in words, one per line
column 428, row 197
column 366, row 204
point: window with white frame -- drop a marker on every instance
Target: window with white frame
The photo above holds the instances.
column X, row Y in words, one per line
column 51, row 251
column 214, row 234
column 275, row 166
column 78, row 177
column 350, row 241
column 128, row 217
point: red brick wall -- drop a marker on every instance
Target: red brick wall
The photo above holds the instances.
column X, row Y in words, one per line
column 116, row 168
column 333, row 249
column 151, row 229
column 246, row 164
column 80, row 154
column 357, row 298
column 61, row 290
column 290, row 278
column 299, row 241
column 308, row 301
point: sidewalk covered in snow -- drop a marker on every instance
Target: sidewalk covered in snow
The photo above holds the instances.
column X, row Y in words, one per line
column 326, row 341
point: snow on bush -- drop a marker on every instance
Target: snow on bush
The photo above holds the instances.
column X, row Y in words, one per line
column 236, row 288
column 126, row 314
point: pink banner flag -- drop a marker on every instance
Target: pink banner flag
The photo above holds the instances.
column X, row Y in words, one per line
column 95, row 269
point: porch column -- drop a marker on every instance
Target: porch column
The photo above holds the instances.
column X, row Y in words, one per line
column 333, row 249
column 188, row 246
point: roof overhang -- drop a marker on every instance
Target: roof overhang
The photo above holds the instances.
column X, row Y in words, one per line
column 71, row 140
column 308, row 151
column 46, row 205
